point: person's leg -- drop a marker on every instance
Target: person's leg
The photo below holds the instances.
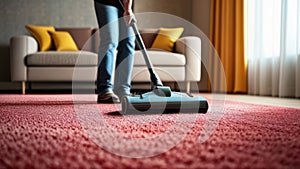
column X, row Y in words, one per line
column 107, row 17
column 124, row 66
column 125, row 58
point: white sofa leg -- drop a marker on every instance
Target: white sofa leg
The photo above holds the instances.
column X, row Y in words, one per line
column 188, row 86
column 23, row 87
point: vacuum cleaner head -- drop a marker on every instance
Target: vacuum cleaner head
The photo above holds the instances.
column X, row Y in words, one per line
column 152, row 103
column 161, row 99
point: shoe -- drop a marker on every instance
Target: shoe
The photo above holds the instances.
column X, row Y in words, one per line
column 129, row 94
column 108, row 97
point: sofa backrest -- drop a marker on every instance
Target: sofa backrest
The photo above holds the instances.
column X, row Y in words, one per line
column 87, row 38
column 80, row 36
column 148, row 36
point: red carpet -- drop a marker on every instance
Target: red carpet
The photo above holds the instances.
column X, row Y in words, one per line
column 48, row 131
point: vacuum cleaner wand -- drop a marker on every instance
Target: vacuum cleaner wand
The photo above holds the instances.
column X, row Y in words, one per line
column 153, row 76
column 155, row 80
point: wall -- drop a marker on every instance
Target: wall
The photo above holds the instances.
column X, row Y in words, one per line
column 194, row 11
column 181, row 8
column 201, row 18
column 15, row 14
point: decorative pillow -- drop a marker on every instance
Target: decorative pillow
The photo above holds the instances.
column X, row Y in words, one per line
column 148, row 35
column 63, row 41
column 166, row 38
column 40, row 33
column 81, row 36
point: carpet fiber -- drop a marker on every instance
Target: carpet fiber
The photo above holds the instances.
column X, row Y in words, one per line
column 48, row 131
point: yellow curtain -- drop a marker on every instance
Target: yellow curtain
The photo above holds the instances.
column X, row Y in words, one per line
column 227, row 36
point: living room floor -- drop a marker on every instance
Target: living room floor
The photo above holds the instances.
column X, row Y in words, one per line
column 262, row 100
column 43, row 130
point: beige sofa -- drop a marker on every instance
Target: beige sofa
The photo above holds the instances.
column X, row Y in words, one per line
column 30, row 65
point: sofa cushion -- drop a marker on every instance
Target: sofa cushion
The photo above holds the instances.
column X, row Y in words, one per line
column 80, row 35
column 166, row 38
column 160, row 58
column 63, row 41
column 63, row 58
column 40, row 33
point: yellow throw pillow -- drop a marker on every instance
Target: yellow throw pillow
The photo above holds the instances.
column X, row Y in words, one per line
column 40, row 33
column 63, row 41
column 166, row 38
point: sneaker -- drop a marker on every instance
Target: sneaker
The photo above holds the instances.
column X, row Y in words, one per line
column 121, row 96
column 108, row 97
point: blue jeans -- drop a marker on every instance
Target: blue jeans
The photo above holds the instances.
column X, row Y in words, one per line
column 114, row 70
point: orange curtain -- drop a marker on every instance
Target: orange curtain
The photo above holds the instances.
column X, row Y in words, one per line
column 227, row 36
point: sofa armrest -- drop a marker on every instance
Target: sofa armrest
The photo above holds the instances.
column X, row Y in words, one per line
column 190, row 46
column 20, row 47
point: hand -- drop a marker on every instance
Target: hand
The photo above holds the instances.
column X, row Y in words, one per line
column 128, row 17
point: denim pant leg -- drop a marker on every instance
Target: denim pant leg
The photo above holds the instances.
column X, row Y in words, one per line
column 124, row 65
column 107, row 17
column 125, row 58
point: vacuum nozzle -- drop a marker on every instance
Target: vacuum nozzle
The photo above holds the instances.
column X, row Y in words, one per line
column 152, row 103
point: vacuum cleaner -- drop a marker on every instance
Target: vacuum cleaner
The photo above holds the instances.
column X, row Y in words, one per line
column 160, row 99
